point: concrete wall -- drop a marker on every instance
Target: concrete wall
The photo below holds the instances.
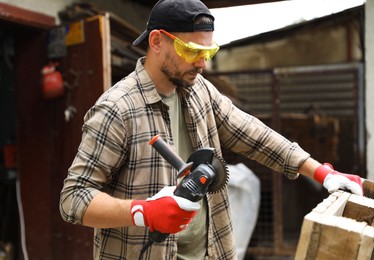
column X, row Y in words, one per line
column 369, row 56
column 305, row 47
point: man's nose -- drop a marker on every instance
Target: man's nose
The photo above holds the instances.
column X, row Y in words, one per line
column 201, row 63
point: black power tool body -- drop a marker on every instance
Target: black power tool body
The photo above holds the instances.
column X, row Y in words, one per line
column 204, row 172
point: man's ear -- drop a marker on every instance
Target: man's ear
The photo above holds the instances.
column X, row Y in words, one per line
column 154, row 40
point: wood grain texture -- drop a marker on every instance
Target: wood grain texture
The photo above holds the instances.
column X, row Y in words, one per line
column 338, row 228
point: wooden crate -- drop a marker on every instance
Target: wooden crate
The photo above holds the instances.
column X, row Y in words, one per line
column 340, row 227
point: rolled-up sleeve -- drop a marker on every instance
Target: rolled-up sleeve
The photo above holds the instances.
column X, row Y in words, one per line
column 99, row 156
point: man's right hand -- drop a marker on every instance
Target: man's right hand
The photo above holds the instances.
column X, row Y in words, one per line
column 164, row 212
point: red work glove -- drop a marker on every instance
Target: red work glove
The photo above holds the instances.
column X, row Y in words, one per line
column 164, row 212
column 333, row 180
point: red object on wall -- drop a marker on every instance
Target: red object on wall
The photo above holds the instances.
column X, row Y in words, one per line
column 53, row 84
column 10, row 156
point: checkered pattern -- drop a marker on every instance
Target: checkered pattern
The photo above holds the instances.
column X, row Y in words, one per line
column 115, row 157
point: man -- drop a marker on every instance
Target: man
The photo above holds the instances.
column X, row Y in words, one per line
column 116, row 170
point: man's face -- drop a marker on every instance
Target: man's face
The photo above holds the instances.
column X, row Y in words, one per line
column 176, row 69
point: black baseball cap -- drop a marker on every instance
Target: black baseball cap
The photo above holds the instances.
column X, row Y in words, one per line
column 176, row 16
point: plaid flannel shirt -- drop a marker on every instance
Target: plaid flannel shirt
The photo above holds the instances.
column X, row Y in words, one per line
column 115, row 157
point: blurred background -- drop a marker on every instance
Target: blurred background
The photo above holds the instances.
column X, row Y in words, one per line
column 303, row 67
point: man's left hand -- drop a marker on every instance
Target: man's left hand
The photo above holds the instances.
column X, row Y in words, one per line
column 333, row 180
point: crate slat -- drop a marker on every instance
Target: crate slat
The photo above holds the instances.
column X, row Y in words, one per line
column 340, row 227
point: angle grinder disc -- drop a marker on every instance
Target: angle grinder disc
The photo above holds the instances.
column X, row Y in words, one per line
column 208, row 156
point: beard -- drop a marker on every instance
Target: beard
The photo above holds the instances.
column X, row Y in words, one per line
column 176, row 77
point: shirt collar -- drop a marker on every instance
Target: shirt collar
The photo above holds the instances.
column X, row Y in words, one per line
column 146, row 84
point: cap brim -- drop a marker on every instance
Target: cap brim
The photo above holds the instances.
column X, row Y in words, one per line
column 141, row 38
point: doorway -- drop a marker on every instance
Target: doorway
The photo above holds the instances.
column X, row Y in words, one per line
column 9, row 227
column 22, row 53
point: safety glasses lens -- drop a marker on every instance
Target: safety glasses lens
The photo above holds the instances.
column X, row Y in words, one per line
column 193, row 52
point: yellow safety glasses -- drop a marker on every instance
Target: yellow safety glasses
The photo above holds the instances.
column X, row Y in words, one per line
column 192, row 52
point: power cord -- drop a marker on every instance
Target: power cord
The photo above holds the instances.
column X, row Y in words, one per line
column 145, row 247
column 21, row 220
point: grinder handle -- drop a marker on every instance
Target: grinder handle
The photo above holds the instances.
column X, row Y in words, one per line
column 170, row 156
column 174, row 159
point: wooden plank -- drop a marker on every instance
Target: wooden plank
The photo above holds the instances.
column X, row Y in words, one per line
column 330, row 237
column 366, row 250
column 105, row 38
column 337, row 207
column 26, row 17
column 360, row 209
column 107, row 66
column 331, row 231
column 309, row 238
column 368, row 187
column 339, row 243
column 334, row 203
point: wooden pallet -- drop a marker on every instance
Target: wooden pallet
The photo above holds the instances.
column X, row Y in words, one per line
column 340, row 227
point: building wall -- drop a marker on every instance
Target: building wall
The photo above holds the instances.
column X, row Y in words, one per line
column 316, row 46
column 369, row 59
column 130, row 11
column 47, row 7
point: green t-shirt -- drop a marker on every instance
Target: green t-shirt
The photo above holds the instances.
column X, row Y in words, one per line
column 192, row 240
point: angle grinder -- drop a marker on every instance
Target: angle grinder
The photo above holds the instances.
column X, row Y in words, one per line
column 204, row 172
